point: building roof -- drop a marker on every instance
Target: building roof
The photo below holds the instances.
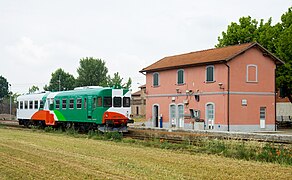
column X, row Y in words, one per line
column 138, row 93
column 209, row 56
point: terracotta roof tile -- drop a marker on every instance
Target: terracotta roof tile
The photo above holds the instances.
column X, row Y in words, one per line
column 200, row 57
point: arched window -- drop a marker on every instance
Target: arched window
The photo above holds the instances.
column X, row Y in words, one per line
column 251, row 73
column 210, row 115
column 180, row 76
column 155, row 79
column 210, row 74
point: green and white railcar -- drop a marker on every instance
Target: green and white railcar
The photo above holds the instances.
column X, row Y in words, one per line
column 102, row 108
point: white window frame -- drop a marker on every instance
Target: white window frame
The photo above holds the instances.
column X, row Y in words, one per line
column 170, row 121
column 183, row 77
column 256, row 73
column 158, row 79
column 177, row 114
column 213, row 73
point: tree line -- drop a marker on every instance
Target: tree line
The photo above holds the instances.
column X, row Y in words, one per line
column 275, row 38
column 91, row 72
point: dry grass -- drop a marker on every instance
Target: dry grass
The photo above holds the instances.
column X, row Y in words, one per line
column 34, row 155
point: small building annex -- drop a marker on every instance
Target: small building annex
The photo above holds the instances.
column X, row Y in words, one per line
column 229, row 89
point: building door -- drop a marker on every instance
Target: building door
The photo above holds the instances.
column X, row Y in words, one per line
column 172, row 115
column 180, row 109
column 263, row 117
column 210, row 115
column 155, row 115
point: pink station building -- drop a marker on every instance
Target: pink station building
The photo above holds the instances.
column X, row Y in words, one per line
column 225, row 89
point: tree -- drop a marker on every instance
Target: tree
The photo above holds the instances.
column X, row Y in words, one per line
column 273, row 38
column 284, row 52
column 116, row 81
column 33, row 89
column 60, row 80
column 3, row 87
column 92, row 72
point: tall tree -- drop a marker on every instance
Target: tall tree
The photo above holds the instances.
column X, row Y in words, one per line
column 274, row 38
column 92, row 72
column 3, row 87
column 284, row 52
column 33, row 89
column 116, row 81
column 60, row 80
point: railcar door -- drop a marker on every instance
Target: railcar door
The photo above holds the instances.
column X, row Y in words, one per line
column 89, row 107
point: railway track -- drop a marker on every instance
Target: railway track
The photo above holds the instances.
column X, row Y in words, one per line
column 172, row 137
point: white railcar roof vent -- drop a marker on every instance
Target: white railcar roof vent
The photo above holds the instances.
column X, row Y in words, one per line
column 88, row 87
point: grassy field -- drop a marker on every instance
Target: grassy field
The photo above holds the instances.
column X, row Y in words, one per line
column 39, row 155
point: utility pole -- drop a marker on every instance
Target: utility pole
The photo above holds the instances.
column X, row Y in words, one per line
column 59, row 81
column 10, row 101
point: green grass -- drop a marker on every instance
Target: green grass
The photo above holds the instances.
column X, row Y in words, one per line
column 39, row 155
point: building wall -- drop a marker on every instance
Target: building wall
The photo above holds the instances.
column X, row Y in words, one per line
column 242, row 118
column 258, row 94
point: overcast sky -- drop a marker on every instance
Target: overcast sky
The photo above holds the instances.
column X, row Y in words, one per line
column 39, row 36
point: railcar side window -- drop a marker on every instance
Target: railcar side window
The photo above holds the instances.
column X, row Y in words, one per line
column 85, row 103
column 71, row 103
column 107, row 101
column 41, row 104
column 36, row 104
column 94, row 103
column 126, row 102
column 25, row 104
column 57, row 103
column 99, row 102
column 117, row 102
column 64, row 103
column 21, row 105
column 78, row 103
column 30, row 104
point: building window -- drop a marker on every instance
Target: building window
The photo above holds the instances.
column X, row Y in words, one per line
column 210, row 74
column 107, row 101
column 57, row 103
column 78, row 103
column 117, row 102
column 210, row 115
column 36, row 104
column 262, row 113
column 137, row 110
column 180, row 76
column 155, row 79
column 64, row 103
column 71, row 103
column 251, row 73
column 126, row 102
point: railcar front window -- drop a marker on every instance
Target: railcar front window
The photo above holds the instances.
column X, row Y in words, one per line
column 117, row 102
column 126, row 102
column 107, row 101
